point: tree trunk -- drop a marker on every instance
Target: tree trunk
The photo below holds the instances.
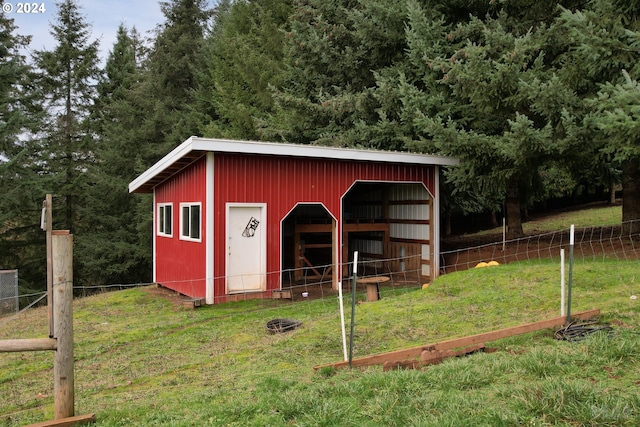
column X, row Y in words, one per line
column 612, row 193
column 631, row 196
column 447, row 223
column 494, row 219
column 514, row 220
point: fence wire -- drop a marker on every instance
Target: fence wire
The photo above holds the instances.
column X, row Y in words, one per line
column 8, row 292
column 619, row 242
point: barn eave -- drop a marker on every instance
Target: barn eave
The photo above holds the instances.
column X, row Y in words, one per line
column 194, row 147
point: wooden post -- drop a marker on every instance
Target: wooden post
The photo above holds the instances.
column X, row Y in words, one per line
column 373, row 292
column 60, row 310
column 63, row 387
column 353, row 303
column 48, row 228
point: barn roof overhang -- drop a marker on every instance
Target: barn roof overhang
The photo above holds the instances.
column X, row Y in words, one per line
column 195, row 147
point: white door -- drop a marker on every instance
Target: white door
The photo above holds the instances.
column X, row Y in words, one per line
column 246, row 248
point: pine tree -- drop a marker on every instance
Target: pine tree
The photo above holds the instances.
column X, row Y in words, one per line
column 243, row 58
column 112, row 250
column 604, row 65
column 68, row 76
column 16, row 103
column 169, row 84
column 334, row 50
column 145, row 107
column 489, row 95
column 21, row 240
column 617, row 115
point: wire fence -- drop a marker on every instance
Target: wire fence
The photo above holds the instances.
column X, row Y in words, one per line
column 311, row 283
column 304, row 284
column 619, row 242
column 8, row 292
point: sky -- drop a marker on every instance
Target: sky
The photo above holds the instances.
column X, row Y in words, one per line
column 104, row 17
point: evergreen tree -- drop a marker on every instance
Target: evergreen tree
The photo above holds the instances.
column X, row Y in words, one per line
column 68, row 76
column 16, row 98
column 21, row 240
column 617, row 116
column 171, row 79
column 243, row 59
column 112, row 249
column 334, row 50
column 605, row 40
column 486, row 90
column 145, row 107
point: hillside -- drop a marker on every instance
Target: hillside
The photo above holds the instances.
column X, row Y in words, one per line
column 143, row 359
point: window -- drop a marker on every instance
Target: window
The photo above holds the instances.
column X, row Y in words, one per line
column 190, row 220
column 165, row 215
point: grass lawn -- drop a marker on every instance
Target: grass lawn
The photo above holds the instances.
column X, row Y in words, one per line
column 142, row 360
column 597, row 216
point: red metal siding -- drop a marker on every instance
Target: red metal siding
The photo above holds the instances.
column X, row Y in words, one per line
column 180, row 264
column 281, row 183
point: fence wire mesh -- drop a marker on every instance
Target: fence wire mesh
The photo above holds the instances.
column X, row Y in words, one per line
column 8, row 292
column 619, row 242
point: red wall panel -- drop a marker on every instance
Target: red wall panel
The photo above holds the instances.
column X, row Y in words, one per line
column 180, row 264
column 281, row 183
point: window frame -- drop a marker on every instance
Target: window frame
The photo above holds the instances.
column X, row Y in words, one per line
column 160, row 229
column 189, row 237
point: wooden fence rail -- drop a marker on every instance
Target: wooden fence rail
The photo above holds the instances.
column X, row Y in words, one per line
column 416, row 352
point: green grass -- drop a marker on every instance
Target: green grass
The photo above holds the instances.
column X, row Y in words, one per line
column 598, row 216
column 141, row 360
column 594, row 217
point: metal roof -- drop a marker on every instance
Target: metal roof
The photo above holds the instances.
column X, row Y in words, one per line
column 195, row 147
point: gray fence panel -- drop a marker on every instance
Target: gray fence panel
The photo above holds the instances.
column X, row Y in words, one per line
column 8, row 292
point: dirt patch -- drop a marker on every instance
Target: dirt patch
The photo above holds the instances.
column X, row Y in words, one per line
column 325, row 290
column 310, row 291
column 174, row 297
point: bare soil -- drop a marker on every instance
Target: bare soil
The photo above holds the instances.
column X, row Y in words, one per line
column 174, row 297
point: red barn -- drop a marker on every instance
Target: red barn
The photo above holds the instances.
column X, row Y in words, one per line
column 238, row 217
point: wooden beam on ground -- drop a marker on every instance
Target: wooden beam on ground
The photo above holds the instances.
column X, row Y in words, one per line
column 29, row 344
column 192, row 303
column 414, row 352
column 394, row 365
column 67, row 422
column 433, row 357
column 281, row 294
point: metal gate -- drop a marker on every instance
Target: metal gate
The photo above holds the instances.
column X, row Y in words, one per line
column 8, row 292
